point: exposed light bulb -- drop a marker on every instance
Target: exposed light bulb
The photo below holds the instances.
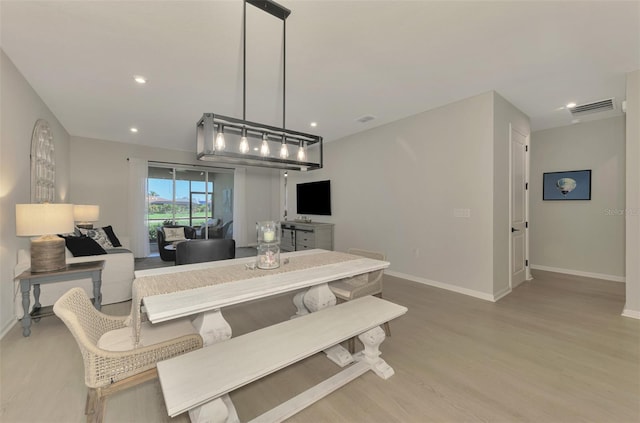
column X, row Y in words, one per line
column 244, row 143
column 220, row 144
column 264, row 148
column 284, row 151
column 134, row 130
column 140, row 79
column 302, row 156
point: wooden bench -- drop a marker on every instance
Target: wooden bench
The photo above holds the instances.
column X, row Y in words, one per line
column 199, row 381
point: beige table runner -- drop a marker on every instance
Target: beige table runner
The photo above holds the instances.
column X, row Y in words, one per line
column 172, row 282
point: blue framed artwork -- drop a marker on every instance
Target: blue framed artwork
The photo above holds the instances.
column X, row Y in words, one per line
column 569, row 185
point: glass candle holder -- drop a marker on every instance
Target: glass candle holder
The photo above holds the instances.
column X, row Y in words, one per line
column 268, row 232
column 268, row 256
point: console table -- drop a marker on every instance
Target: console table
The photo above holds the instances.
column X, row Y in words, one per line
column 89, row 269
column 298, row 236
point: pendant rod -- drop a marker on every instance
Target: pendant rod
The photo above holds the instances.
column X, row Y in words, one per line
column 244, row 61
column 284, row 71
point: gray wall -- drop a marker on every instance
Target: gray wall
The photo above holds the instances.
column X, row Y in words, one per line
column 632, row 306
column 394, row 189
column 99, row 175
column 21, row 107
column 581, row 237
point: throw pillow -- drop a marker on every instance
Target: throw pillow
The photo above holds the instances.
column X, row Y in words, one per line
column 99, row 235
column 81, row 246
column 174, row 234
column 112, row 236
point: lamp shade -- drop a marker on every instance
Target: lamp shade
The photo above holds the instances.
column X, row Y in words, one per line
column 43, row 219
column 86, row 213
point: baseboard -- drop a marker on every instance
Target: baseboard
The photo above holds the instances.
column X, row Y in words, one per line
column 7, row 328
column 447, row 286
column 634, row 314
column 579, row 273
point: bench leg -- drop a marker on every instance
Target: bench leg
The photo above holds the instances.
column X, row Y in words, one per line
column 212, row 327
column 220, row 410
column 371, row 353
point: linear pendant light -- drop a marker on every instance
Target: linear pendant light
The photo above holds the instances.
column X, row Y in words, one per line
column 226, row 139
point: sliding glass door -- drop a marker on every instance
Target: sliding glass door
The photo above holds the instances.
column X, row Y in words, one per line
column 188, row 196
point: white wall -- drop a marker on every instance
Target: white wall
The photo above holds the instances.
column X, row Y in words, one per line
column 581, row 237
column 20, row 107
column 99, row 175
column 632, row 306
column 394, row 189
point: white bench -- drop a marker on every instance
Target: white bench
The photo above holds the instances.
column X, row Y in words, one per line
column 199, row 381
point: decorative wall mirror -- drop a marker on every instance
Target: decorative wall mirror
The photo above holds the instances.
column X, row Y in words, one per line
column 43, row 164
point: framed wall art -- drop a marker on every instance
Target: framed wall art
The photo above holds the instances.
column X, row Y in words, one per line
column 568, row 185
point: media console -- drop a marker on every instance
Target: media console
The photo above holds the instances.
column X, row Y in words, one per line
column 298, row 236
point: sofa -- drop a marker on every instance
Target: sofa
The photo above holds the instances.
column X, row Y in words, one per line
column 163, row 240
column 117, row 278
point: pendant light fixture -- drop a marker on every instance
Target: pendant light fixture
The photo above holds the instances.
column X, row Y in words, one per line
column 225, row 139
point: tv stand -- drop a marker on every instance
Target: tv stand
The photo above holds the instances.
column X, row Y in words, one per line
column 298, row 236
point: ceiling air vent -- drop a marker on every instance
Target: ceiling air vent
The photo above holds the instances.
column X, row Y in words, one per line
column 365, row 118
column 595, row 107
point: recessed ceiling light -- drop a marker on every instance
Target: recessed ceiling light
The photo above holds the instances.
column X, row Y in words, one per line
column 140, row 79
column 134, row 130
column 571, row 105
column 313, row 124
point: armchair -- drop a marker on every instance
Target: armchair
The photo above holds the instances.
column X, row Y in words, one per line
column 111, row 361
column 170, row 255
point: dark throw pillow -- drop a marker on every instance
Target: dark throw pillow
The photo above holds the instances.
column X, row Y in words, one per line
column 112, row 236
column 81, row 246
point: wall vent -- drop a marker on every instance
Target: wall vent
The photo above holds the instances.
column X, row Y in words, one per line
column 595, row 107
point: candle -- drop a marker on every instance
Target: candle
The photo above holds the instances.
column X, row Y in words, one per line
column 269, row 236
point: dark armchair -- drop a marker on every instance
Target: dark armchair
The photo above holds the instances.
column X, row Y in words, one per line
column 170, row 255
column 202, row 250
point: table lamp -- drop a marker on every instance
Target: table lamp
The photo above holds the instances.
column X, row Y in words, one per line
column 85, row 215
column 45, row 221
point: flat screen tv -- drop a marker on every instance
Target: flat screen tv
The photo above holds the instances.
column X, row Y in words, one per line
column 314, row 198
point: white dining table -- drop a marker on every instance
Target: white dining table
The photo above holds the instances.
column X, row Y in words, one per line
column 206, row 302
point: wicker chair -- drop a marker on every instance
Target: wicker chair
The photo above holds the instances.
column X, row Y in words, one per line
column 361, row 286
column 109, row 371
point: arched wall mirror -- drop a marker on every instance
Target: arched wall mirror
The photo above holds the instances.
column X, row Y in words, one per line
column 43, row 164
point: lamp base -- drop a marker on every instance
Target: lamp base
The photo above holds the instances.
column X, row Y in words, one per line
column 85, row 225
column 47, row 254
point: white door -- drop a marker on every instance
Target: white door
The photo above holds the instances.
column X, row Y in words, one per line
column 519, row 151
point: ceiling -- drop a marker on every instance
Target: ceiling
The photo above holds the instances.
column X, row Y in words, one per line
column 344, row 60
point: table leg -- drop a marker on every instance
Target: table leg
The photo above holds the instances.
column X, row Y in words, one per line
column 36, row 296
column 25, row 288
column 317, row 298
column 298, row 301
column 96, row 278
column 212, row 327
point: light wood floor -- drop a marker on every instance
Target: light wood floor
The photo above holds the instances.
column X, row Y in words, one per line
column 555, row 350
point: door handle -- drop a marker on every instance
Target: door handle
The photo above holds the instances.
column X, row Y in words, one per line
column 515, row 230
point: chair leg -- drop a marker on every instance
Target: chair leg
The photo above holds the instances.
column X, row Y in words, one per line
column 95, row 407
column 387, row 329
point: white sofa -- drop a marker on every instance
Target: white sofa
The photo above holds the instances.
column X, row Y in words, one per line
column 117, row 278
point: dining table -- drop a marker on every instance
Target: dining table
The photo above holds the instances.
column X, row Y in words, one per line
column 202, row 290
